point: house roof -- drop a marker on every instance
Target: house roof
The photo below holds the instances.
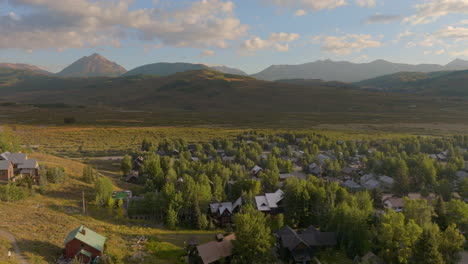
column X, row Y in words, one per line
column 5, row 164
column 89, row 237
column 309, row 237
column 298, row 175
column 269, row 200
column 351, row 184
column 4, row 155
column 387, row 180
column 371, row 184
column 29, row 164
column 214, row 250
column 16, row 158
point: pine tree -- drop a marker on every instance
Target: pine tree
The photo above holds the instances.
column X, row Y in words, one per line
column 171, row 219
column 426, row 249
column 126, row 164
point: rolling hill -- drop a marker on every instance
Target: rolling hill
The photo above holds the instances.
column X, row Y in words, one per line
column 210, row 91
column 10, row 76
column 167, row 68
column 24, row 67
column 343, row 71
column 447, row 83
column 92, row 66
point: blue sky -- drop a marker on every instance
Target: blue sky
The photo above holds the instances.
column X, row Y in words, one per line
column 246, row 34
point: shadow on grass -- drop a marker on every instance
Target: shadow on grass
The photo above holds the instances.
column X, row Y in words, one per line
column 48, row 251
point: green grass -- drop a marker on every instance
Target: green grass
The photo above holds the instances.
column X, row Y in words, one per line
column 165, row 250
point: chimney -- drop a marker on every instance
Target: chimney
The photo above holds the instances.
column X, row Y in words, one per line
column 83, row 232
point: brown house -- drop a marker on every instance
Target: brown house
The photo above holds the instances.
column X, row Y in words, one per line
column 84, row 244
column 222, row 213
column 6, row 170
column 215, row 251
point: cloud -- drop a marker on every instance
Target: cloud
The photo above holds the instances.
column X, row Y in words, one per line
column 68, row 24
column 347, row 44
column 382, row 19
column 463, row 53
column 366, row 3
column 208, row 53
column 307, row 4
column 278, row 41
column 402, row 35
column 300, row 12
column 432, row 10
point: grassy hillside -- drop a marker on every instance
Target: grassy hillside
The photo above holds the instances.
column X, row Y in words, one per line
column 206, row 91
column 10, row 76
column 448, row 83
column 41, row 223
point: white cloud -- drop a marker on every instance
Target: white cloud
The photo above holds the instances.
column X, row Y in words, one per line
column 78, row 23
column 282, row 48
column 402, row 35
column 439, row 52
column 208, row 53
column 366, row 3
column 463, row 53
column 279, row 41
column 300, row 12
column 307, row 4
column 432, row 10
column 347, row 44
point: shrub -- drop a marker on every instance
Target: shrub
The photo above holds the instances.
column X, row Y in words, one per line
column 56, row 175
column 11, row 193
column 69, row 120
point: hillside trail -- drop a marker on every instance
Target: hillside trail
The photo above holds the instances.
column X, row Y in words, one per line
column 19, row 256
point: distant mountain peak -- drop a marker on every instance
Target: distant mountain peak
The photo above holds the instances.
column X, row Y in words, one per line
column 93, row 66
column 457, row 62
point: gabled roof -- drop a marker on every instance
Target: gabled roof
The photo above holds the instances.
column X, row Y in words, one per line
column 29, row 164
column 269, row 200
column 87, row 236
column 310, row 237
column 16, row 158
column 5, row 164
column 214, row 250
column 4, row 155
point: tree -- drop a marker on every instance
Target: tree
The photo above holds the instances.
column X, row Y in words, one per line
column 419, row 211
column 103, row 190
column 457, row 213
column 171, row 219
column 440, row 211
column 395, row 238
column 89, row 175
column 463, row 187
column 56, row 175
column 120, row 208
column 110, row 204
column 426, row 249
column 126, row 164
column 402, row 181
column 253, row 237
column 451, row 244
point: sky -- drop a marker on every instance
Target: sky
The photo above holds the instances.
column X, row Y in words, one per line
column 246, row 34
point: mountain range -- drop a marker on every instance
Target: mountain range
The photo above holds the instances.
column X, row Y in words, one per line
column 326, row 70
column 344, row 71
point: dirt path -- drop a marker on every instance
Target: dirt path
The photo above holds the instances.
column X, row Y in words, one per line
column 21, row 258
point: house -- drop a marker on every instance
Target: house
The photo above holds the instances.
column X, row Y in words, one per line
column 22, row 166
column 352, row 185
column 270, row 202
column 284, row 176
column 132, row 177
column 222, row 212
column 228, row 159
column 84, row 244
column 256, row 170
column 315, row 169
column 461, row 175
column 386, row 182
column 6, row 170
column 347, row 171
column 126, row 196
column 138, row 163
column 300, row 246
column 214, row 251
column 395, row 203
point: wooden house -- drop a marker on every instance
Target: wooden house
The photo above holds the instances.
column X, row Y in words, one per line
column 84, row 244
column 270, row 203
column 214, row 251
column 6, row 170
column 300, row 246
column 222, row 213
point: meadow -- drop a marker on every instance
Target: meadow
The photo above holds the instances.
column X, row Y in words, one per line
column 41, row 223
